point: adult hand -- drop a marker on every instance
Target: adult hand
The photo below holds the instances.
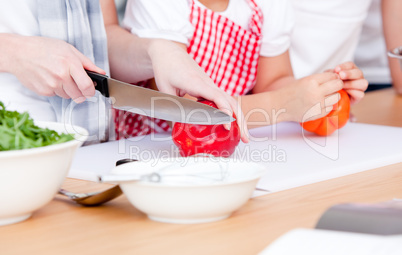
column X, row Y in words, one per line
column 178, row 74
column 51, row 67
column 353, row 80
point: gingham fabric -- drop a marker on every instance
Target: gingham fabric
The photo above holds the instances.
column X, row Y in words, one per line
column 226, row 51
column 129, row 124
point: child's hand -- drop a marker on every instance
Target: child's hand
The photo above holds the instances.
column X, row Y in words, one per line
column 178, row 74
column 353, row 80
column 311, row 97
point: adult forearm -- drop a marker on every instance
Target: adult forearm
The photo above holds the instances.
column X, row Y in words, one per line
column 8, row 50
column 392, row 26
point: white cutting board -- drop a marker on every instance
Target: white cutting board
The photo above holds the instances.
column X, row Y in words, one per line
column 293, row 158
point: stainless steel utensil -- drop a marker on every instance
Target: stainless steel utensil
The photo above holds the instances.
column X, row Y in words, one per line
column 156, row 104
column 396, row 53
column 96, row 198
column 93, row 198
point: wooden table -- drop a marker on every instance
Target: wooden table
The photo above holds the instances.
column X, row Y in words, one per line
column 381, row 107
column 62, row 227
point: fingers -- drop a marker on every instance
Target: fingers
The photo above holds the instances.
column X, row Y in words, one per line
column 61, row 73
column 165, row 88
column 329, row 71
column 82, row 81
column 73, row 81
column 360, row 84
column 59, row 91
column 191, row 79
column 354, row 82
column 353, row 74
column 328, row 104
column 87, row 63
column 322, row 109
column 331, row 86
column 74, row 84
column 330, row 100
column 349, row 71
column 355, row 95
column 330, row 96
column 321, row 78
column 80, row 86
column 222, row 102
column 210, row 92
column 229, row 105
column 240, row 120
column 345, row 66
column 204, row 87
column 71, row 89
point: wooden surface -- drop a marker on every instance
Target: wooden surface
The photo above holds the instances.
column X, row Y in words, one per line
column 381, row 107
column 62, row 227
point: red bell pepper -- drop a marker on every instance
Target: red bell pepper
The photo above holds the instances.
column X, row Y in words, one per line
column 336, row 119
column 206, row 139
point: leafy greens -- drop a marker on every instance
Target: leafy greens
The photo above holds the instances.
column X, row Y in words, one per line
column 18, row 131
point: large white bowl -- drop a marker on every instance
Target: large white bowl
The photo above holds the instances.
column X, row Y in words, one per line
column 191, row 190
column 30, row 178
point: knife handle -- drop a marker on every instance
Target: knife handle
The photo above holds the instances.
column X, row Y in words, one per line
column 100, row 82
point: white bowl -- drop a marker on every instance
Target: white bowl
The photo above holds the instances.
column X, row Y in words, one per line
column 191, row 190
column 30, row 178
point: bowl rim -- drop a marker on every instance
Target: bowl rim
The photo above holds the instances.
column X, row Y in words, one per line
column 195, row 186
column 78, row 140
column 258, row 173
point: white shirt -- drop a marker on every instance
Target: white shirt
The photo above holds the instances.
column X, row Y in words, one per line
column 326, row 33
column 371, row 52
column 20, row 17
column 169, row 19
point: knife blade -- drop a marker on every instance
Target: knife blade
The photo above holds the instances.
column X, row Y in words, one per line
column 156, row 104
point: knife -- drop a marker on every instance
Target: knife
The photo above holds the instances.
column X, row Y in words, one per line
column 156, row 104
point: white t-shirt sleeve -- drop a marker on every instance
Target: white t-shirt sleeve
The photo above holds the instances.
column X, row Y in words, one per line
column 164, row 19
column 277, row 28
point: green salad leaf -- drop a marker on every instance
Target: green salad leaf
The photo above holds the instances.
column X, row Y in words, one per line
column 18, row 131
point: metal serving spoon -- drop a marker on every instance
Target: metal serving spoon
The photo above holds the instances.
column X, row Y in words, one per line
column 96, row 198
column 93, row 198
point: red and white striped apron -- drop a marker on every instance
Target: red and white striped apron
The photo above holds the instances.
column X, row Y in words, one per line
column 226, row 51
column 128, row 124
